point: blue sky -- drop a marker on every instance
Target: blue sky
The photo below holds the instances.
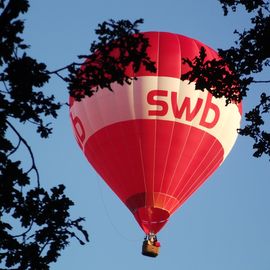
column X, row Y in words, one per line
column 225, row 225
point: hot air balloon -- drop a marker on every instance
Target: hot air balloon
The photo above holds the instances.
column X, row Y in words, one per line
column 157, row 140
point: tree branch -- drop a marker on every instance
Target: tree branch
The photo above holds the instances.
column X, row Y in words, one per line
column 63, row 68
column 33, row 167
column 67, row 67
column 260, row 81
column 24, row 233
column 15, row 148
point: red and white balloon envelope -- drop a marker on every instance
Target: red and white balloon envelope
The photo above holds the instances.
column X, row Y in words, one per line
column 157, row 140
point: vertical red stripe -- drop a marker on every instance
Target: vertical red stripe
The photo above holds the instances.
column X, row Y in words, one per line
column 183, row 160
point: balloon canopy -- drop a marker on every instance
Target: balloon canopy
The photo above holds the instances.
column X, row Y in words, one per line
column 156, row 141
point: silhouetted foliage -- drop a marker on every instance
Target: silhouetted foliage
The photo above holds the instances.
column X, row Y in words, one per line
column 215, row 76
column 35, row 224
column 249, row 57
column 120, row 46
column 250, row 5
column 254, row 129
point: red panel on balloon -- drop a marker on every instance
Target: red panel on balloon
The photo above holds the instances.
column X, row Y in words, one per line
column 153, row 165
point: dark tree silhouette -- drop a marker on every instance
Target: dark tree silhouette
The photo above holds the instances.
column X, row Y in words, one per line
column 120, row 46
column 249, row 57
column 35, row 224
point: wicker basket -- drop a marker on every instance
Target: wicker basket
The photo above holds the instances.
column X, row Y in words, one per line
column 148, row 249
